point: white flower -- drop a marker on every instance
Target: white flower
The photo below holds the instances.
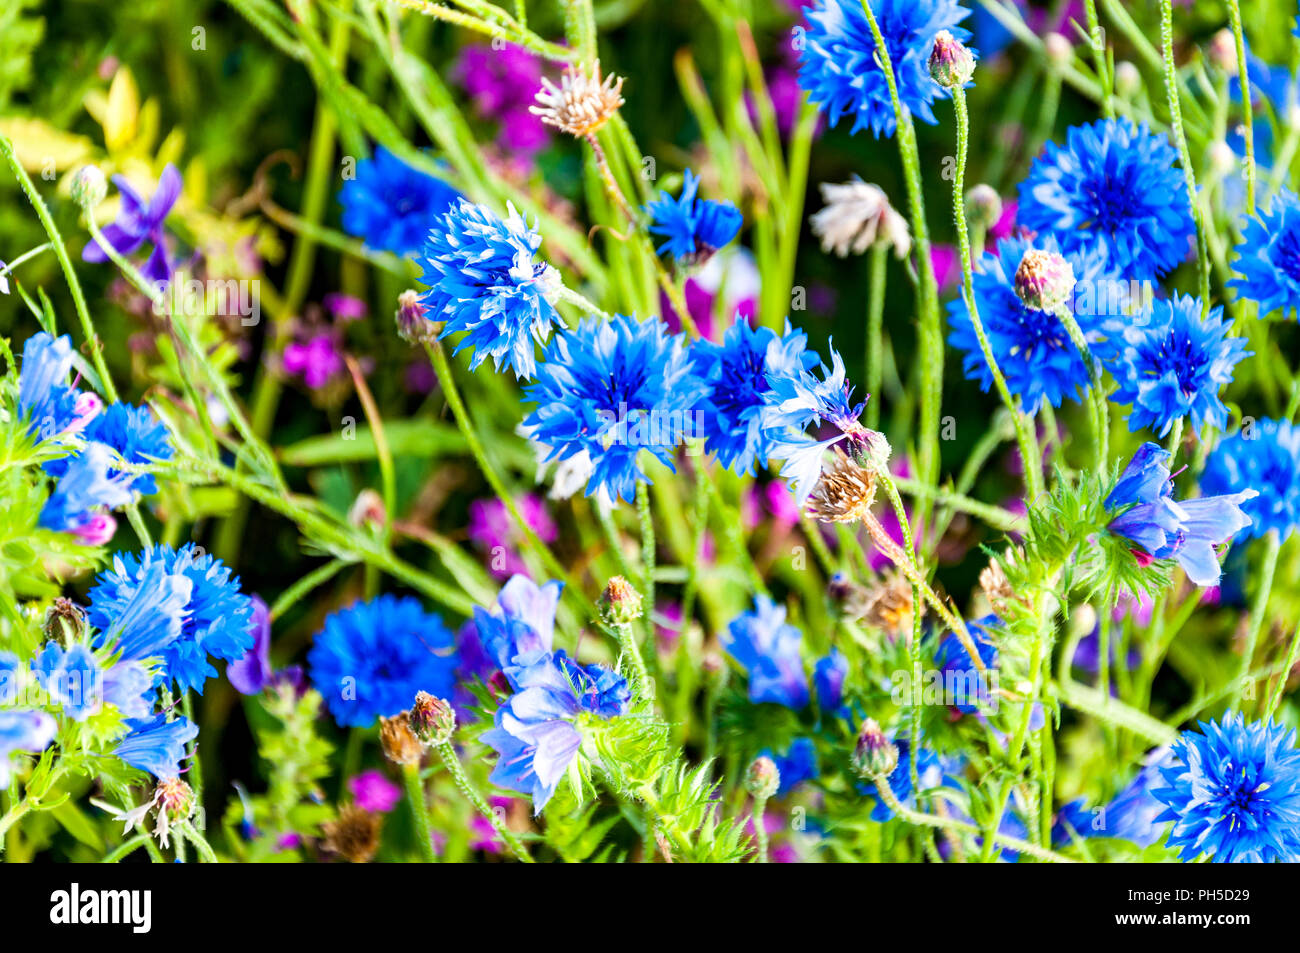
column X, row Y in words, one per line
column 858, row 216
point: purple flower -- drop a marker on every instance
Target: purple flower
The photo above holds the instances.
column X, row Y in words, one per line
column 252, row 671
column 501, row 82
column 494, row 529
column 373, row 792
column 140, row 221
column 318, row 358
column 521, row 623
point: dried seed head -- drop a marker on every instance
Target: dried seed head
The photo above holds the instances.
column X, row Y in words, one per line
column 844, row 493
column 581, row 104
column 951, row 63
column 1044, row 280
column 65, row 621
column 858, row 216
column 432, row 720
column 762, row 779
column 996, row 586
column 889, row 604
column 354, row 834
column 398, row 740
column 874, row 757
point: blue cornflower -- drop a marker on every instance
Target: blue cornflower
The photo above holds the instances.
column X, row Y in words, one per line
column 1263, row 456
column 45, row 398
column 74, row 679
column 1235, row 794
column 483, row 280
column 1131, row 815
column 390, row 205
column 968, row 690
column 829, row 674
column 157, row 745
column 89, row 482
column 1113, row 186
column 217, row 618
column 521, row 622
column 535, row 731
column 695, row 227
column 1037, row 357
column 149, row 618
column 135, row 433
column 1268, row 258
column 22, row 730
column 140, row 221
column 371, row 658
column 795, row 398
column 796, row 765
column 1186, row 531
column 612, row 389
column 1171, row 362
column 769, row 650
column 736, row 371
column 841, row 72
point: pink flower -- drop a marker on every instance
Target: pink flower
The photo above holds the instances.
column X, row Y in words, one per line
column 318, row 359
column 374, row 792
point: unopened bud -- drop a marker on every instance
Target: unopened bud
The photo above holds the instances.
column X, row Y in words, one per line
column 398, row 740
column 875, row 757
column 432, row 720
column 367, row 511
column 1127, row 79
column 174, row 798
column 1059, row 50
column 762, row 779
column 1044, row 280
column 1223, row 51
column 1221, row 157
column 412, row 325
column 951, row 63
column 89, row 187
column 620, row 604
column 983, row 206
column 65, row 621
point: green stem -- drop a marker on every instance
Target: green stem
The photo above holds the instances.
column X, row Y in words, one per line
column 1275, row 698
column 448, row 755
column 760, row 828
column 419, row 811
column 206, row 854
column 1257, row 612
column 879, row 258
column 1247, row 108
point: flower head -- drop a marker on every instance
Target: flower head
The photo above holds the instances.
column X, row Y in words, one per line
column 1113, row 186
column 1031, row 346
column 1264, row 457
column 1171, row 364
column 140, row 221
column 581, row 104
column 521, row 622
column 89, row 483
column 611, row 389
column 157, row 745
column 736, row 371
column 22, row 730
column 135, row 434
column 1268, row 258
column 1044, row 280
column 45, row 398
column 841, row 68
column 844, row 492
column 1234, row 792
column 1186, row 531
column 390, row 205
column 694, row 227
column 857, row 216
column 536, row 731
column 769, row 649
column 969, row 688
column 952, row 64
column 484, row 281
column 371, row 658
column 217, row 618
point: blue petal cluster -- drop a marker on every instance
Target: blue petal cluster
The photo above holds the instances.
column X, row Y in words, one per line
column 1037, row 357
column 21, row 729
column 217, row 619
column 612, row 389
column 840, row 69
column 390, row 205
column 1186, row 531
column 521, row 622
column 1234, row 792
column 960, row 674
column 74, row 679
column 736, row 371
column 371, row 659
column 769, row 650
column 1263, row 456
column 1268, row 258
column 485, row 282
column 89, row 482
column 45, row 398
column 1130, row 815
column 797, row 765
column 534, row 731
column 1171, row 362
column 1113, row 186
column 157, row 745
column 694, row 227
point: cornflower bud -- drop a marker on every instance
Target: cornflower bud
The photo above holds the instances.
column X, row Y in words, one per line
column 1127, row 80
column 1059, row 50
column 875, row 757
column 89, row 187
column 620, row 604
column 983, row 206
column 762, row 779
column 398, row 740
column 1044, row 280
column 951, row 63
column 432, row 720
column 65, row 621
column 412, row 325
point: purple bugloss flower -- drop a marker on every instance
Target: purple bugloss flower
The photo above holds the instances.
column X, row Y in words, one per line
column 769, row 650
column 317, row 358
column 828, row 680
column 157, row 745
column 797, row 764
column 1186, row 531
column 521, row 623
column 89, row 482
column 535, row 731
column 1264, row 457
column 22, row 730
column 45, row 398
column 140, row 221
column 251, row 671
column 969, row 689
